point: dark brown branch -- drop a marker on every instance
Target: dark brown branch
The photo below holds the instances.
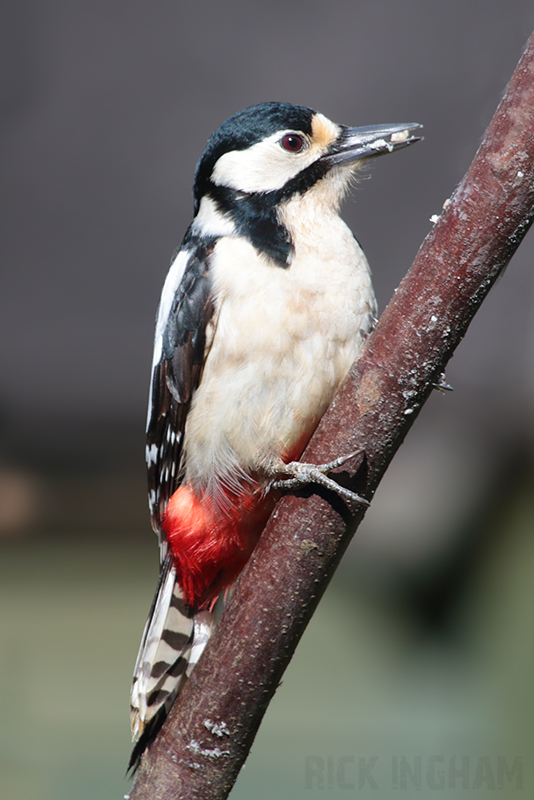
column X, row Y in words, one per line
column 456, row 266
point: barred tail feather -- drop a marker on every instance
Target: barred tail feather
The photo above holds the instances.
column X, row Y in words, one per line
column 173, row 640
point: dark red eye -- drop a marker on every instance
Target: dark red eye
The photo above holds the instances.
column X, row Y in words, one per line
column 292, row 142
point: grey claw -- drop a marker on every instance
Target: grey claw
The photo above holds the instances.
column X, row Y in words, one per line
column 442, row 385
column 304, row 474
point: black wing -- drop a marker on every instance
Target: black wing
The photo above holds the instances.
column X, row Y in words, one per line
column 181, row 351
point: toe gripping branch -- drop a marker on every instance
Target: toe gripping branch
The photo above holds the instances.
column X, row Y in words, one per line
column 301, row 475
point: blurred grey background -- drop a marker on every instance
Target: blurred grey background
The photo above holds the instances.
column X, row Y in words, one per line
column 106, row 108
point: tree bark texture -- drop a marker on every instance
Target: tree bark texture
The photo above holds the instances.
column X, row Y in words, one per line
column 209, row 732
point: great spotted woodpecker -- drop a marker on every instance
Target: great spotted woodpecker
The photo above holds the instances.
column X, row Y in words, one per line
column 263, row 311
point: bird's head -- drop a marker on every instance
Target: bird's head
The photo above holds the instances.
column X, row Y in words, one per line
column 267, row 154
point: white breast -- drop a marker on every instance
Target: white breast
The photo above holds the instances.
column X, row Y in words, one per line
column 285, row 340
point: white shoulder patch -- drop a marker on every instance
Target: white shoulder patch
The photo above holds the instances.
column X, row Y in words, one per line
column 172, row 282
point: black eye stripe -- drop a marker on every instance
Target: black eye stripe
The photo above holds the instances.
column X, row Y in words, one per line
column 292, row 142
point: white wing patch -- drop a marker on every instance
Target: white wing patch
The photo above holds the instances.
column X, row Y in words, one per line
column 151, row 454
column 172, row 281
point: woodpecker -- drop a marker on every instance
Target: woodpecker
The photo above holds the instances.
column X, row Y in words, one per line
column 263, row 311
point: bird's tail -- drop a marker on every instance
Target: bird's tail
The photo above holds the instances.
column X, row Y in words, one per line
column 173, row 640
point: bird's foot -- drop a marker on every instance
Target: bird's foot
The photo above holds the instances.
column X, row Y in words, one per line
column 301, row 475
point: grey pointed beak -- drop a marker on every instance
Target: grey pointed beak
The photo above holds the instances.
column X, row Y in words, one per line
column 370, row 141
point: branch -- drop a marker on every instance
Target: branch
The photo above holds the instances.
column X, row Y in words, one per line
column 458, row 262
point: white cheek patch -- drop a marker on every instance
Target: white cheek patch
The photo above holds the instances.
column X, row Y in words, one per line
column 264, row 167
